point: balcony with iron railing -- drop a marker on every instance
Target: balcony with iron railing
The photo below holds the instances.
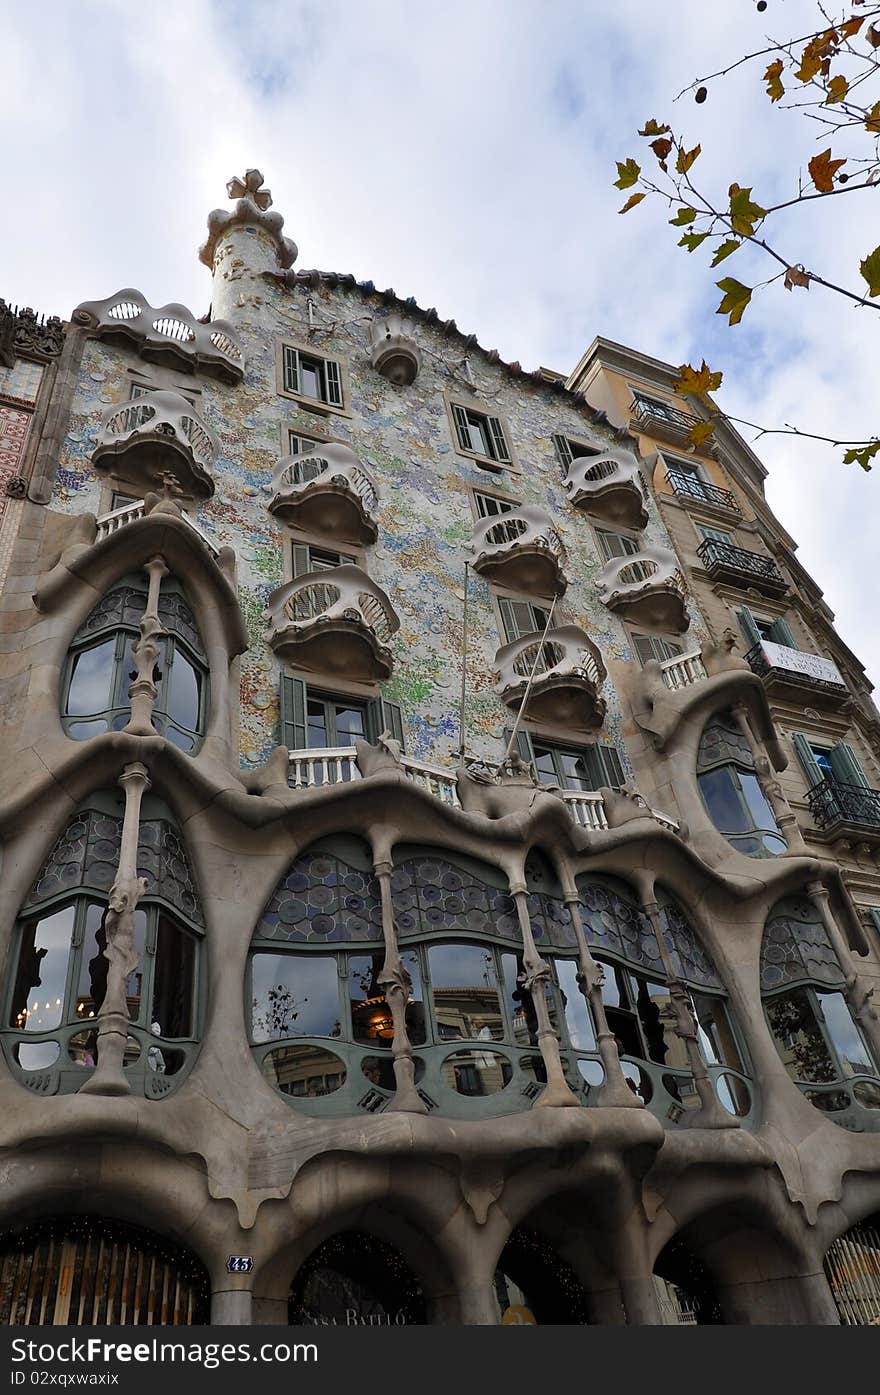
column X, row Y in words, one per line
column 646, row 588
column 725, row 561
column 327, row 492
column 688, row 486
column 609, row 487
column 169, row 335
column 790, row 673
column 521, row 549
column 843, row 808
column 663, row 420
column 336, row 622
column 566, row 672
column 157, row 441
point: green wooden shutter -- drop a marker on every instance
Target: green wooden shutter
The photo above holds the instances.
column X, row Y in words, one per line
column 291, row 369
column 612, row 770
column 874, row 913
column 461, row 425
column 383, row 715
column 499, row 441
column 781, row 634
column 845, row 765
column 293, row 713
column 811, row 768
column 564, row 452
column 523, row 744
column 749, row 628
column 302, row 559
column 333, row 380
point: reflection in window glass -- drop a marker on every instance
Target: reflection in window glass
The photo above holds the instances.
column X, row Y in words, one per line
column 846, row 1039
column 465, row 992
column 798, row 1035
column 372, row 1022
column 577, row 1013
column 91, row 680
column 294, row 996
column 723, row 802
column 654, row 1007
column 305, row 1072
column 183, row 692
column 476, row 1072
column 172, row 1007
column 93, row 965
column 38, row 995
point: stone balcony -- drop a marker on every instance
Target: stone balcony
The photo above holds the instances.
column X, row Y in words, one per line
column 646, row 588
column 168, row 335
column 567, row 675
column 521, row 549
column 110, row 523
column 336, row 622
column 737, row 565
column 154, row 441
column 609, row 487
column 328, row 492
column 793, row 676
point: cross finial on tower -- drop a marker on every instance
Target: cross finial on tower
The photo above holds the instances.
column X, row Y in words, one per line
column 249, row 188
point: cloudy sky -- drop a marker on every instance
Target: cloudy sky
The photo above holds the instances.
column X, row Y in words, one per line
column 462, row 153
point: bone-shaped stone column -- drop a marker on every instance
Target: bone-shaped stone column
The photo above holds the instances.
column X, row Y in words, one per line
column 534, row 977
column 143, row 691
column 120, row 950
column 396, row 984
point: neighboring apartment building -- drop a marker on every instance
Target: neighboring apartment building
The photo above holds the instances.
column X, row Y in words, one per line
column 437, row 808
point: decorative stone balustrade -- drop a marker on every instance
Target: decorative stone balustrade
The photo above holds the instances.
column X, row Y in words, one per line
column 609, row 487
column 157, row 441
column 337, row 622
column 326, row 491
column 683, row 670
column 568, row 677
column 169, row 335
column 393, row 351
column 522, row 550
column 110, row 523
column 646, row 588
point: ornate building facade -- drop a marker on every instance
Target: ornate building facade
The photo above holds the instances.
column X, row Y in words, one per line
column 439, row 833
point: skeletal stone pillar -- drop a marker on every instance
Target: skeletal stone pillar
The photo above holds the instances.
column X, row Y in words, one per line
column 396, row 984
column 711, row 1114
column 858, row 992
column 120, row 951
column 534, row 977
column 614, row 1090
column 143, row 691
column 770, row 786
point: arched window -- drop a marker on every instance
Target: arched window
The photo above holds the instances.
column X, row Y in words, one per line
column 638, row 1005
column 686, row 1291
column 356, row 1280
column 803, row 987
column 100, row 668
column 534, row 1284
column 83, row 1271
column 58, row 976
column 732, row 793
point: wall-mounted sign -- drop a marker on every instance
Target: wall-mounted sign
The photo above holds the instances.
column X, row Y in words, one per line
column 239, row 1264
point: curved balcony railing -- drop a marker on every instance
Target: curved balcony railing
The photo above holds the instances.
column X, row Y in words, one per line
column 327, row 490
column 156, row 434
column 683, row 670
column 340, row 620
column 832, row 802
column 853, row 1103
column 523, row 549
column 168, row 334
column 608, row 486
column 110, row 523
column 726, row 561
column 687, row 486
column 647, row 587
column 568, row 676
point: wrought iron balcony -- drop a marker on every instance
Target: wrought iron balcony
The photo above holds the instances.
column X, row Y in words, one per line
column 609, row 487
column 521, row 549
column 791, row 671
column 568, row 677
column 687, row 486
column 169, row 334
column 327, row 491
column 156, row 441
column 336, row 622
column 647, row 588
column 833, row 804
column 663, row 420
column 726, row 562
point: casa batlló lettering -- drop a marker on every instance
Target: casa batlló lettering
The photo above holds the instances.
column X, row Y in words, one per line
column 354, row 1318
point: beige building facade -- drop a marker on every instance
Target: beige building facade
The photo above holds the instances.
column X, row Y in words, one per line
column 439, row 829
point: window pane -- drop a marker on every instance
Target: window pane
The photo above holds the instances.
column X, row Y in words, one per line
column 520, row 1004
column 311, row 379
column 294, row 995
column 574, row 1004
column 91, row 681
column 478, row 434
column 723, row 801
column 174, row 981
column 664, row 1047
column 349, row 725
column 851, row 1050
column 38, row 996
column 317, row 725
column 545, row 766
column 715, row 1032
column 465, row 992
column 574, row 771
column 759, row 808
column 184, row 691
column 92, row 984
column 798, row 1037
column 370, row 1014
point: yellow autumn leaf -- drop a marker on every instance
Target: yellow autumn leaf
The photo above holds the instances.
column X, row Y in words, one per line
column 772, row 77
column 744, row 213
column 870, row 269
column 694, row 381
column 823, row 169
column 653, row 128
column 627, row 174
column 851, row 26
column 700, row 433
column 872, row 119
column 686, row 158
column 736, row 298
column 631, row 202
column 837, row 90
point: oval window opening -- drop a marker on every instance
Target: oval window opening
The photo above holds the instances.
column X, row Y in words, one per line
column 476, row 1073
column 303, row 1071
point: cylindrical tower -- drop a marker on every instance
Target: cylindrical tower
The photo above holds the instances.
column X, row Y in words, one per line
column 241, row 245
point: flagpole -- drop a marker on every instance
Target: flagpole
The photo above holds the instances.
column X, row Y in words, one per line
column 525, row 696
column 464, row 659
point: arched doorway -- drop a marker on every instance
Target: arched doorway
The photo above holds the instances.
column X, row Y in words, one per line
column 533, row 1284
column 356, row 1280
column 852, row 1268
column 83, row 1271
column 685, row 1289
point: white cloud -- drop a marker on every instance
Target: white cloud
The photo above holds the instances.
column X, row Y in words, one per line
column 463, row 154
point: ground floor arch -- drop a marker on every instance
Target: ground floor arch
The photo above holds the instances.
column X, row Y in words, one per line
column 354, row 1279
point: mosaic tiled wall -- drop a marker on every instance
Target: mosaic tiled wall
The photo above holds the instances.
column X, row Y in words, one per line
column 425, row 519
